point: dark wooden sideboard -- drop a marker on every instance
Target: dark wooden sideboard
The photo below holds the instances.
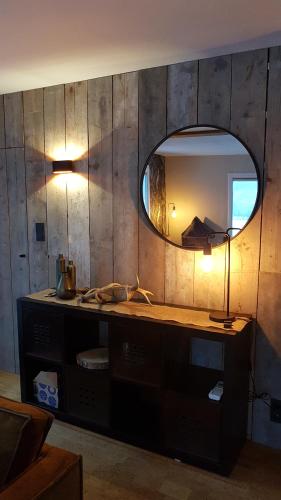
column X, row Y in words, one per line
column 155, row 393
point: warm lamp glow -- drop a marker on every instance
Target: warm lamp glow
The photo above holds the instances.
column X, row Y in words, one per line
column 70, row 152
column 172, row 210
column 207, row 263
column 73, row 182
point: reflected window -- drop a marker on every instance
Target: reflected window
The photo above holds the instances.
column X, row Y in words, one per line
column 146, row 191
column 243, row 190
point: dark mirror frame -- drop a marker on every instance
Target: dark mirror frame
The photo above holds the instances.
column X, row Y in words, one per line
column 259, row 193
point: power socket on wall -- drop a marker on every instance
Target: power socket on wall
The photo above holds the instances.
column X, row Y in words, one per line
column 275, row 411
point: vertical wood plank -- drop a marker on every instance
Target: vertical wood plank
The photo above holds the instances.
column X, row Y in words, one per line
column 214, row 104
column 152, row 128
column 7, row 355
column 33, row 125
column 268, row 357
column 100, row 179
column 37, row 212
column 77, row 184
column 35, row 186
column 13, row 120
column 182, row 90
column 271, row 214
column 125, row 177
column 54, row 125
column 268, row 345
column 248, row 104
column 18, row 231
column 2, row 123
column 214, row 91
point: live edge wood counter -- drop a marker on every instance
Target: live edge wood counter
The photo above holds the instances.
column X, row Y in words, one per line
column 155, row 393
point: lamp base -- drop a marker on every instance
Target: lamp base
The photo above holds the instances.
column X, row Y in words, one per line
column 221, row 317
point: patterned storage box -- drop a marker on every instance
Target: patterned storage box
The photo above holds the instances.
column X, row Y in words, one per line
column 45, row 388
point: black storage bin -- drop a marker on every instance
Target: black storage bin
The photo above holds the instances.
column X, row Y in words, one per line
column 192, row 426
column 135, row 353
column 44, row 333
column 88, row 394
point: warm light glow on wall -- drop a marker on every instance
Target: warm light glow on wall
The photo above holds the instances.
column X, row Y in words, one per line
column 70, row 152
column 207, row 263
column 212, row 263
column 73, row 182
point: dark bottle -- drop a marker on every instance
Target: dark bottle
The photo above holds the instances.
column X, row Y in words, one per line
column 71, row 269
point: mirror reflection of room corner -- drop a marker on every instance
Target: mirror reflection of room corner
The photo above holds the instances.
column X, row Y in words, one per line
column 199, row 180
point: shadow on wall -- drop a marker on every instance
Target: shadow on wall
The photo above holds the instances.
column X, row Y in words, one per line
column 267, row 378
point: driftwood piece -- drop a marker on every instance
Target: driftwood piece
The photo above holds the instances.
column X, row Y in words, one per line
column 115, row 292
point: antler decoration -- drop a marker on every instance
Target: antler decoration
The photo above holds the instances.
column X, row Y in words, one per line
column 114, row 292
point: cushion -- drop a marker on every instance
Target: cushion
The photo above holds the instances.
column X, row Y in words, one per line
column 12, row 425
column 32, row 436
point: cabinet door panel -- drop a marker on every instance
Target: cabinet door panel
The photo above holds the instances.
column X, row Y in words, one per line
column 43, row 333
column 88, row 394
column 192, row 426
column 136, row 352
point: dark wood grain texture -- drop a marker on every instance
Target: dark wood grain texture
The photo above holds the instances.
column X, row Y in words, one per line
column 268, row 357
column 7, row 344
column 214, row 91
column 152, row 129
column 16, row 177
column 125, row 177
column 2, row 123
column 33, row 125
column 13, row 107
column 77, row 184
column 54, row 128
column 268, row 345
column 37, row 213
column 100, row 180
column 271, row 215
column 36, row 186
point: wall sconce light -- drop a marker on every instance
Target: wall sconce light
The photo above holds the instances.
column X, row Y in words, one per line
column 173, row 211
column 63, row 167
column 222, row 316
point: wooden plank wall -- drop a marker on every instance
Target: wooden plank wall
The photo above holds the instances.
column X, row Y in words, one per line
column 96, row 218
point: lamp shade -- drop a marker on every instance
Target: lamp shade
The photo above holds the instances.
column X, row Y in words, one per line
column 63, row 166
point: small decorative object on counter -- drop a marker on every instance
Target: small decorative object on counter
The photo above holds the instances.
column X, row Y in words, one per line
column 71, row 268
column 59, row 260
column 94, row 359
column 66, row 288
column 114, row 292
column 45, row 388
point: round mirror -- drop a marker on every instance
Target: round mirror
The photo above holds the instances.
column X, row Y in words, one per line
column 199, row 181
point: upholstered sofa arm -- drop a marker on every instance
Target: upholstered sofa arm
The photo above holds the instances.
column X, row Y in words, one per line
column 55, row 475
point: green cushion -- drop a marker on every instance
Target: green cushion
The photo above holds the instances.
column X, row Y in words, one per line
column 12, row 425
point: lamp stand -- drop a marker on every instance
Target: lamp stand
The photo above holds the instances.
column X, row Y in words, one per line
column 225, row 316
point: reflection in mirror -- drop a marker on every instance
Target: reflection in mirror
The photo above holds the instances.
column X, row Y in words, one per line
column 198, row 181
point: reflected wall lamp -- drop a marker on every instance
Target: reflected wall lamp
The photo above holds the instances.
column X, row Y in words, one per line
column 172, row 210
column 63, row 167
column 171, row 213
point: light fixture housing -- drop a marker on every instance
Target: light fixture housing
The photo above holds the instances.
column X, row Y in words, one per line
column 63, row 167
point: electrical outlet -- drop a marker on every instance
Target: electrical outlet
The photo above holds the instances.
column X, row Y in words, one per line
column 275, row 412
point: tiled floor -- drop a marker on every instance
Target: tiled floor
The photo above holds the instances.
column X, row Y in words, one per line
column 116, row 471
